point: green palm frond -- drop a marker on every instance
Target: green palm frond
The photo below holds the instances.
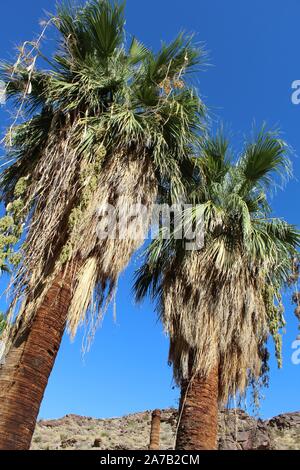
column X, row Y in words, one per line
column 105, row 25
column 214, row 163
column 173, row 59
column 23, row 83
column 96, row 27
column 137, row 52
column 263, row 159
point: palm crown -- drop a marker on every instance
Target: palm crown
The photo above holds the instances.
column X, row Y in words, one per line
column 219, row 304
column 106, row 124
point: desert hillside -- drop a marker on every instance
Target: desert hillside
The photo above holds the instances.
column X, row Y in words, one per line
column 237, row 431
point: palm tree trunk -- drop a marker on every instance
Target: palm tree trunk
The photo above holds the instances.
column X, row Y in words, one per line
column 155, row 430
column 198, row 424
column 28, row 364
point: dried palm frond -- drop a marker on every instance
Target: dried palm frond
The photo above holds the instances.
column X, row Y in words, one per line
column 215, row 321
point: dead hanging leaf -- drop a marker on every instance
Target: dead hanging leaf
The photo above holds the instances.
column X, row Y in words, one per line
column 31, row 66
column 29, row 89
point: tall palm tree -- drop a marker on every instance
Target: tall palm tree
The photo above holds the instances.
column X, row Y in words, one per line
column 221, row 302
column 107, row 124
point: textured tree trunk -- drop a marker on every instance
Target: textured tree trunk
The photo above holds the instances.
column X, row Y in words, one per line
column 155, row 430
column 25, row 372
column 198, row 425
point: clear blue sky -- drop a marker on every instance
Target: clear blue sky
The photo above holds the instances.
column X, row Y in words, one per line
column 254, row 52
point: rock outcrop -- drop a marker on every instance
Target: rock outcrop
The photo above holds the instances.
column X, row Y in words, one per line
column 237, row 431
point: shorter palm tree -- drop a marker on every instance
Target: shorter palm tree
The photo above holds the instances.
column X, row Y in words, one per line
column 220, row 303
column 155, row 430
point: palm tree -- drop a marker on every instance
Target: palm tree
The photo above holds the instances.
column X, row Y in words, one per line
column 155, row 430
column 106, row 125
column 221, row 302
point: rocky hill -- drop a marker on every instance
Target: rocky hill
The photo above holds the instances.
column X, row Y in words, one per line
column 237, row 431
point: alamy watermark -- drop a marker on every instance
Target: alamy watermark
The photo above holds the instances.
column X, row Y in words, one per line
column 295, row 97
column 296, row 354
column 137, row 221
